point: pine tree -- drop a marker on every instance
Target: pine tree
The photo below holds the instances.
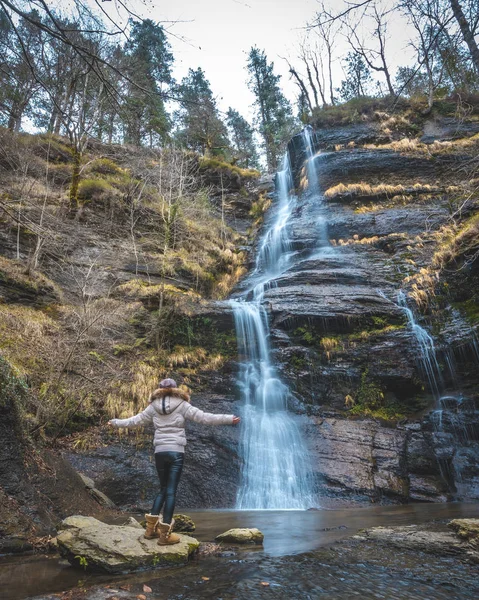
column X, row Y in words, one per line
column 243, row 144
column 358, row 78
column 199, row 125
column 149, row 65
column 274, row 113
column 17, row 85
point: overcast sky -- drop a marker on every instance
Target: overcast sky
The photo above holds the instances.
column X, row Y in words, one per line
column 217, row 35
column 221, row 34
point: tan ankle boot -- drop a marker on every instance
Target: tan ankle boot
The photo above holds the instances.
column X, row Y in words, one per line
column 166, row 536
column 152, row 526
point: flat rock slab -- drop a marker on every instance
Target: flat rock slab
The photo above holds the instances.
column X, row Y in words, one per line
column 93, row 545
column 414, row 537
column 241, row 536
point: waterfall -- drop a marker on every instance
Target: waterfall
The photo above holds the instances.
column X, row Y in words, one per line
column 311, row 172
column 276, row 471
column 427, row 350
column 275, row 249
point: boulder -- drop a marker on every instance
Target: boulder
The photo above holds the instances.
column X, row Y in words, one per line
column 99, row 496
column 467, row 530
column 93, row 545
column 132, row 522
column 241, row 536
column 183, row 523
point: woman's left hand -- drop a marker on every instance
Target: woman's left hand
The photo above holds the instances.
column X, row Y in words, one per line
column 236, row 420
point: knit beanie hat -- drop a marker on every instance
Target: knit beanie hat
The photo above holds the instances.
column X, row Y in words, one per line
column 167, row 383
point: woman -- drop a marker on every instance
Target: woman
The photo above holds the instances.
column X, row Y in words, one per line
column 169, row 409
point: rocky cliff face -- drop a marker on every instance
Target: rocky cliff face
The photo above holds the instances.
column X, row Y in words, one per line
column 378, row 429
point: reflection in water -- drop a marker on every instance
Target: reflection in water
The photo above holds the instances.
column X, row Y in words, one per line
column 286, row 533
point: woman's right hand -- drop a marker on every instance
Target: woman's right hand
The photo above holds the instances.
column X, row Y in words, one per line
column 236, row 420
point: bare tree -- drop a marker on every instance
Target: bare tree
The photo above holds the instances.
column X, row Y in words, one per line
column 426, row 17
column 300, row 83
column 326, row 32
column 466, row 30
column 374, row 56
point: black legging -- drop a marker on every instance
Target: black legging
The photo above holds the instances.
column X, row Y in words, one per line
column 169, row 466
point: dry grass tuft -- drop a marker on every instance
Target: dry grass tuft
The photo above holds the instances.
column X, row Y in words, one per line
column 415, row 147
column 422, row 286
column 363, row 189
column 458, row 242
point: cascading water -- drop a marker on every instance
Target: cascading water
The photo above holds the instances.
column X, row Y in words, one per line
column 275, row 250
column 426, row 347
column 276, row 471
column 310, row 164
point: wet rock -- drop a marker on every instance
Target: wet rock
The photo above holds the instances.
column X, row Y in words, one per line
column 183, row 523
column 330, row 137
column 467, row 530
column 447, row 128
column 241, row 536
column 350, row 166
column 99, row 496
column 93, row 545
column 337, row 308
column 430, row 540
column 361, row 456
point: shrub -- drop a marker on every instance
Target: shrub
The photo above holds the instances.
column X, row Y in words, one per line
column 105, row 166
column 370, row 395
column 214, row 163
column 94, row 189
column 59, row 173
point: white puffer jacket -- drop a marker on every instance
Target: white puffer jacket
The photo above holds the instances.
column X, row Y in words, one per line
column 169, row 409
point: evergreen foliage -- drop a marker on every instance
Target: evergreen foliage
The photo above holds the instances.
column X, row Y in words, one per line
column 358, row 82
column 149, row 62
column 243, row 148
column 275, row 119
column 199, row 125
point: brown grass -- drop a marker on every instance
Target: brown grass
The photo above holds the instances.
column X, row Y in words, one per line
column 369, row 241
column 457, row 242
column 422, row 286
column 363, row 189
column 416, row 147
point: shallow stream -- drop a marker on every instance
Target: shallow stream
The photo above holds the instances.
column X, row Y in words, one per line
column 290, row 538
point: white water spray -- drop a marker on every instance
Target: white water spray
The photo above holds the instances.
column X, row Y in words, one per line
column 276, row 471
column 427, row 349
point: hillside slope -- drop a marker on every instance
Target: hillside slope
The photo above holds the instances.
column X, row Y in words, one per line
column 100, row 301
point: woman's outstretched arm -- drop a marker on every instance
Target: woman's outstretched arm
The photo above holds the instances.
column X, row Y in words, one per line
column 138, row 420
column 198, row 416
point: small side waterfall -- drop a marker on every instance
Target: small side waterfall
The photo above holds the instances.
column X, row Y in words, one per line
column 427, row 350
column 310, row 165
column 276, row 471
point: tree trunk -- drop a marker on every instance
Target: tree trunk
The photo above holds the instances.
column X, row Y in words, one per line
column 301, row 86
column 74, row 203
column 12, row 119
column 110, row 128
column 467, row 34
column 330, row 61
